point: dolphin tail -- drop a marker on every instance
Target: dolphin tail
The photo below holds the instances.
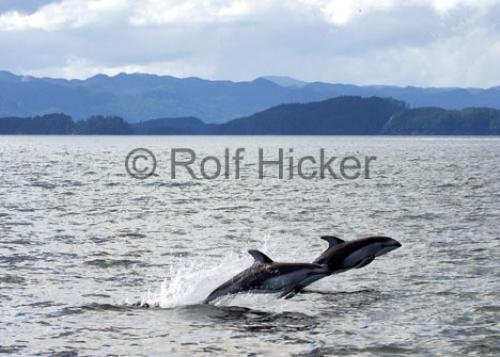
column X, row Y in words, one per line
column 209, row 299
column 216, row 295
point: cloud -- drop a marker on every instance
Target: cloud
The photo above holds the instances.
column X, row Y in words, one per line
column 413, row 42
column 157, row 12
column 57, row 15
column 78, row 67
column 78, row 13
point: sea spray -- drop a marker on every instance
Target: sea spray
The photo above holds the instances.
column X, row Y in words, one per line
column 188, row 283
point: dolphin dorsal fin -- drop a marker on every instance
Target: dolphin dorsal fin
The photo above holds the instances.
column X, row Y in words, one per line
column 260, row 257
column 332, row 240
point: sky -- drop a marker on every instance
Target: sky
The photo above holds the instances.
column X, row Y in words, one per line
column 386, row 42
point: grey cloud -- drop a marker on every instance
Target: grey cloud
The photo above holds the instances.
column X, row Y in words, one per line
column 401, row 45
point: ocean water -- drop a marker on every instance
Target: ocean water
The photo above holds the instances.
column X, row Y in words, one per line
column 95, row 262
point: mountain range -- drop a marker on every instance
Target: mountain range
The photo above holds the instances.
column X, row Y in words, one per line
column 140, row 97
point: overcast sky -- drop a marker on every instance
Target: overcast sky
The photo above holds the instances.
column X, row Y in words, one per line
column 412, row 42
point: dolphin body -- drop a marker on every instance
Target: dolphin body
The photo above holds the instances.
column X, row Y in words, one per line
column 267, row 276
column 341, row 256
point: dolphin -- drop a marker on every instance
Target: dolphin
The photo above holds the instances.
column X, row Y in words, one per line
column 267, row 276
column 341, row 256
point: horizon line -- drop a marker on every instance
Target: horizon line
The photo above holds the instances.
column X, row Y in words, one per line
column 262, row 77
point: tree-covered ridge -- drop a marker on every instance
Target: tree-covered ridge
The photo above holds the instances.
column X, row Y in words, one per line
column 103, row 125
column 62, row 124
column 437, row 121
column 337, row 116
column 49, row 124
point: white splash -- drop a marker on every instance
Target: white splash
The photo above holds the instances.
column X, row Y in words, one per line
column 191, row 283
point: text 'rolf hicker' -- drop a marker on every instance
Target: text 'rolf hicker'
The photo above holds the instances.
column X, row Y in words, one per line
column 280, row 163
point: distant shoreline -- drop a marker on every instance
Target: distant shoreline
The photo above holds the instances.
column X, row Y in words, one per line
column 337, row 116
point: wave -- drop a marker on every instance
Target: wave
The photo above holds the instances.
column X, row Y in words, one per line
column 110, row 263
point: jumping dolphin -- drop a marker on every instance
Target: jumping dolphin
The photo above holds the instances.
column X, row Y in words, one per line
column 341, row 256
column 267, row 276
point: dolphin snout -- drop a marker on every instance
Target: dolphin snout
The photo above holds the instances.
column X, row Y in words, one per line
column 388, row 246
column 389, row 242
column 396, row 244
